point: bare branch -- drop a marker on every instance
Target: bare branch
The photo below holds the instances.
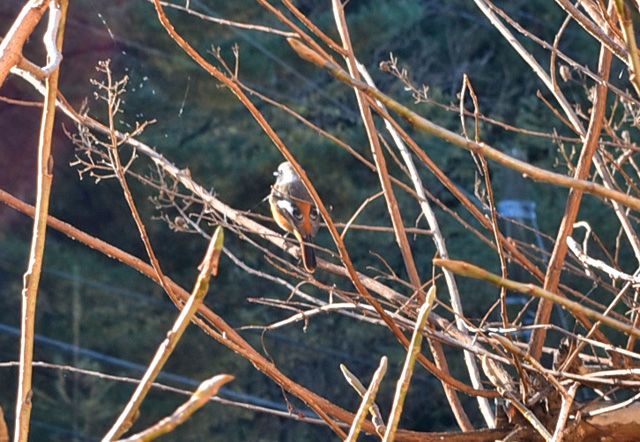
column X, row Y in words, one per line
column 402, row 386
column 22, row 28
column 201, row 288
column 199, row 399
column 368, row 397
column 36, row 254
column 471, row 271
column 567, row 402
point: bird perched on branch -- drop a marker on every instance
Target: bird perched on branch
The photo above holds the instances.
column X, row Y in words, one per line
column 294, row 211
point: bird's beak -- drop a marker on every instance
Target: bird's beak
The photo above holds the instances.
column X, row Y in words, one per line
column 276, row 173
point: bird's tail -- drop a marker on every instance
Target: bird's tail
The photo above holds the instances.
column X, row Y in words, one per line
column 307, row 252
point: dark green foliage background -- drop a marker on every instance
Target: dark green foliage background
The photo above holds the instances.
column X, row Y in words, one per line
column 203, row 127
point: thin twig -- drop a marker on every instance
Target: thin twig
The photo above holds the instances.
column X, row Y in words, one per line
column 618, row 406
column 598, row 264
column 164, row 387
column 303, row 316
column 225, row 22
column 466, row 84
column 21, row 102
column 359, row 210
column 113, row 103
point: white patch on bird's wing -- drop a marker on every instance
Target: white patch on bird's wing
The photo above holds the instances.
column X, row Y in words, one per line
column 286, row 206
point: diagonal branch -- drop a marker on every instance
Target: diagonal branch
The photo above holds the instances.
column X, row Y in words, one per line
column 368, row 401
column 206, row 390
column 200, row 290
column 378, row 155
column 583, row 170
column 469, row 270
column 626, row 23
column 313, row 28
column 613, row 44
column 402, row 386
column 21, row 29
column 424, row 125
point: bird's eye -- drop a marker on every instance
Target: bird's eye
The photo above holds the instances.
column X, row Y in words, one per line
column 314, row 214
column 297, row 213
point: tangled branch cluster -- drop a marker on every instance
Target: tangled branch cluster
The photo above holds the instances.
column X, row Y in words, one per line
column 590, row 388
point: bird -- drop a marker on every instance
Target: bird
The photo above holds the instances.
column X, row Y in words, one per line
column 294, row 211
